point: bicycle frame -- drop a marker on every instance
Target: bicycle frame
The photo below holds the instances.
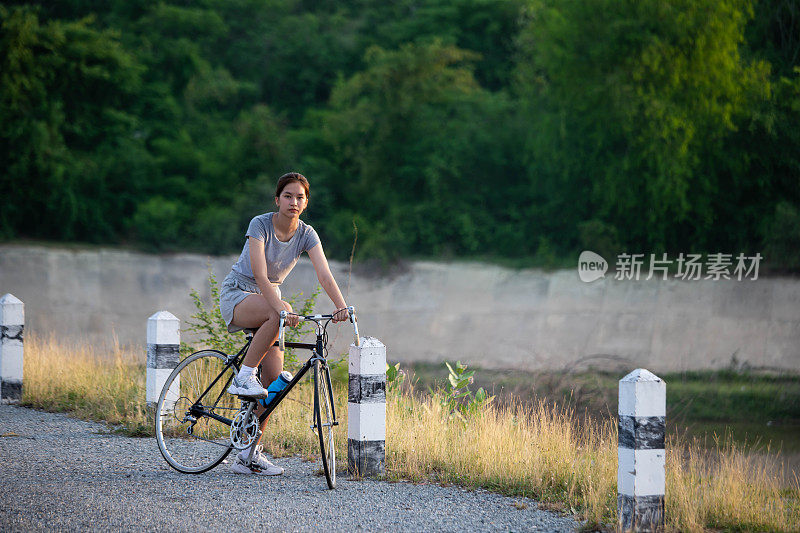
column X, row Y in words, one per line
column 316, row 350
column 197, row 410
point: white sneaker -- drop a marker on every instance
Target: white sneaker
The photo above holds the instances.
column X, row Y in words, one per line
column 260, row 464
column 251, row 387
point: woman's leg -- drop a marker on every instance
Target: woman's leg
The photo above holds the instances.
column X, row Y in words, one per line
column 254, row 312
column 247, row 314
column 271, row 367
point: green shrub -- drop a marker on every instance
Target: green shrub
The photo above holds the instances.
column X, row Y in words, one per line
column 210, row 326
column 458, row 399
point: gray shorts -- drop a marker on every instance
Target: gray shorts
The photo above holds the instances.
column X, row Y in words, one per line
column 234, row 289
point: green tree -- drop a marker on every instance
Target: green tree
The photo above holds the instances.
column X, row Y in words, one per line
column 435, row 127
column 396, row 136
column 628, row 102
column 65, row 94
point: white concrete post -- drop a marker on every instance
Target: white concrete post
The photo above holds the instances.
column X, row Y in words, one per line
column 640, row 475
column 163, row 349
column 12, row 323
column 366, row 409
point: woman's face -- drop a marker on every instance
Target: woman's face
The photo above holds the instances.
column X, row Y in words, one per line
column 292, row 200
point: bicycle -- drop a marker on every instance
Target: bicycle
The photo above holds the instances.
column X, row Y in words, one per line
column 193, row 432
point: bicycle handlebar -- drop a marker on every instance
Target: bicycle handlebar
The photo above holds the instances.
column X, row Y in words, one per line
column 351, row 312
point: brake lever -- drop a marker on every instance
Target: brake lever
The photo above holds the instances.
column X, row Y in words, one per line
column 351, row 311
column 282, row 331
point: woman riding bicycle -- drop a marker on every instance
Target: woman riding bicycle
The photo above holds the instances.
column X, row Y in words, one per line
column 250, row 296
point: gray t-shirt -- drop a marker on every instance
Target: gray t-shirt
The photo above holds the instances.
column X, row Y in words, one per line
column 281, row 256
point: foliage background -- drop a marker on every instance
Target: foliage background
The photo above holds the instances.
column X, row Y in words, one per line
column 495, row 129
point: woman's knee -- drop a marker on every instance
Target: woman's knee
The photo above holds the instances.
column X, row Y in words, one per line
column 267, row 314
column 267, row 317
column 271, row 314
column 252, row 312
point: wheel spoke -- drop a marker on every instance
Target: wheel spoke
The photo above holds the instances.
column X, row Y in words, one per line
column 209, row 441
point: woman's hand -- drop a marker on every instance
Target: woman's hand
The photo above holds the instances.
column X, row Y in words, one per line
column 341, row 315
column 291, row 320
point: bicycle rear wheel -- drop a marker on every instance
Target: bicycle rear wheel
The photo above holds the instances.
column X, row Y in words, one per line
column 324, row 420
column 190, row 441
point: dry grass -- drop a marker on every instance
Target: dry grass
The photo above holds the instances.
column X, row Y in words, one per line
column 729, row 488
column 537, row 451
column 540, row 451
column 529, row 451
column 91, row 383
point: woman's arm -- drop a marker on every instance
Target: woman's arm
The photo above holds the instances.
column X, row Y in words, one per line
column 258, row 262
column 320, row 262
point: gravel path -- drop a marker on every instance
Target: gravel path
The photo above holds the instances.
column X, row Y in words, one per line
column 59, row 473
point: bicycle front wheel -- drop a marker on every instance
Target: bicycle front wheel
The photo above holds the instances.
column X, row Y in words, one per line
column 324, row 420
column 190, row 419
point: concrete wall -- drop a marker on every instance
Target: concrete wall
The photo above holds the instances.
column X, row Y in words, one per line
column 485, row 315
